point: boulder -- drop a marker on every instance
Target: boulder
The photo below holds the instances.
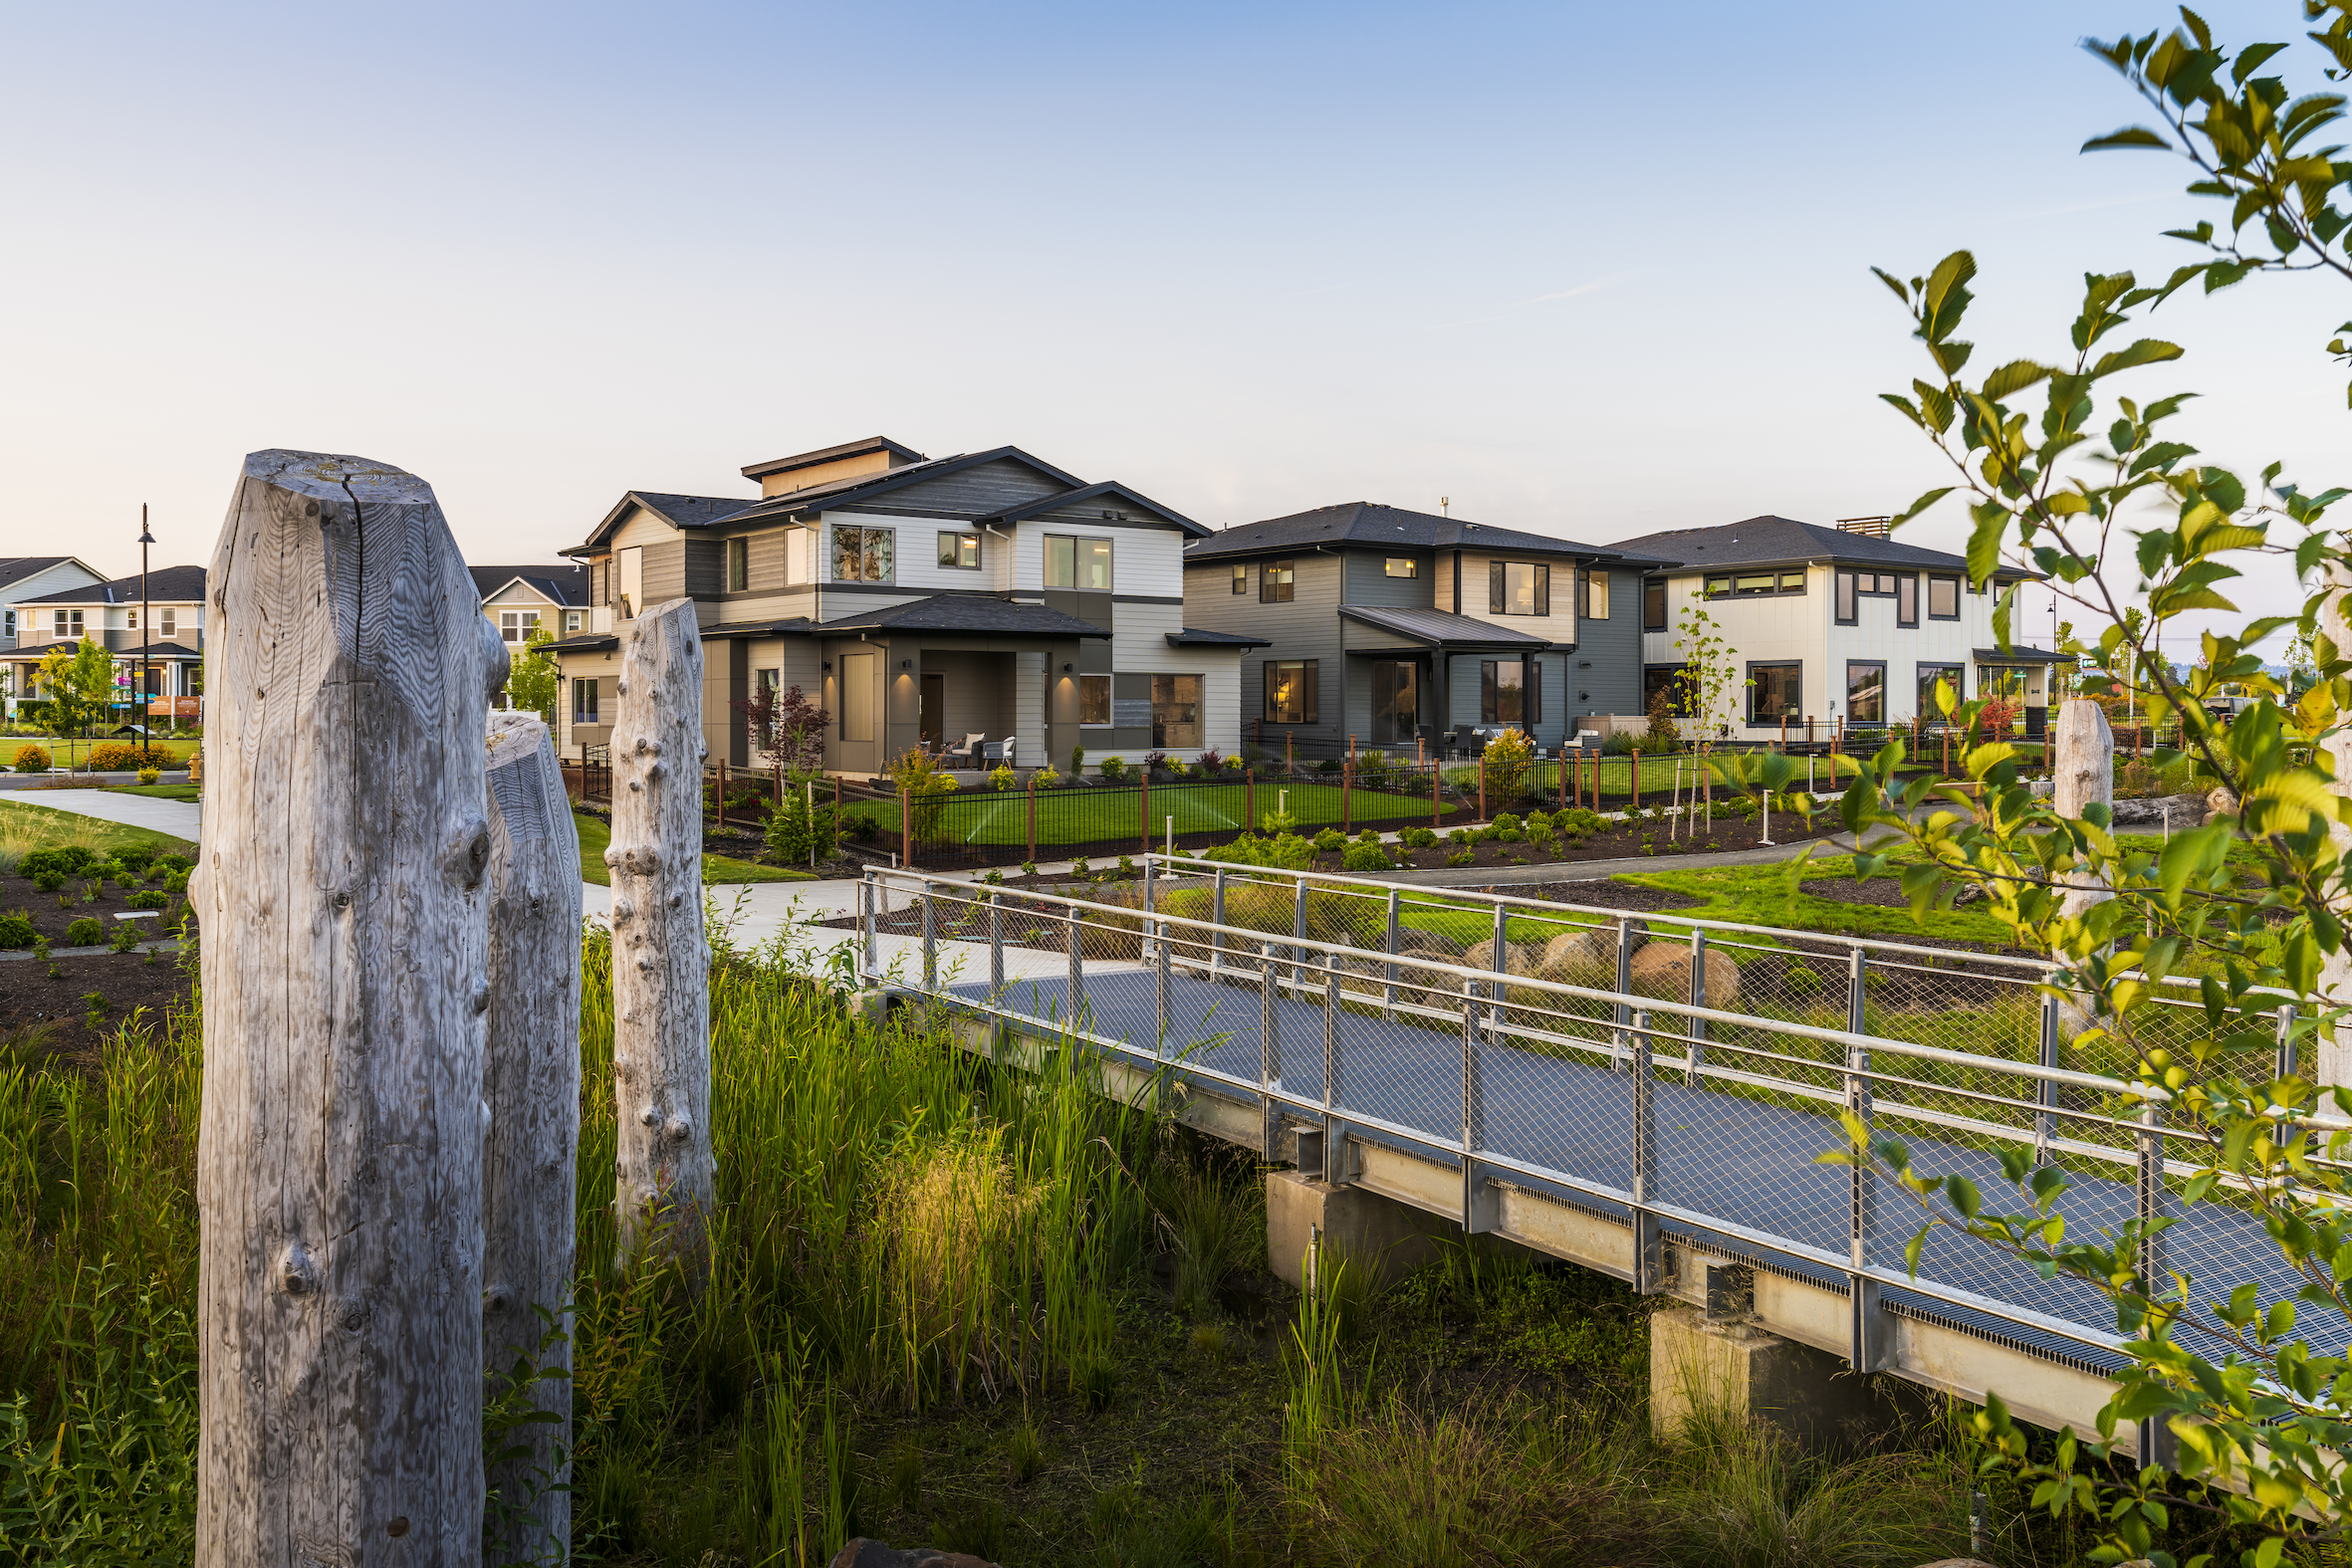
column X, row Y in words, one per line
column 1663, row 969
column 2222, row 803
column 863, row 1553
column 1582, row 958
column 2185, row 810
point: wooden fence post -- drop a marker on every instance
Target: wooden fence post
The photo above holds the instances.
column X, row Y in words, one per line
column 1347, row 791
column 1250, row 799
column 661, row 1061
column 531, row 1154
column 1634, row 780
column 339, row 1168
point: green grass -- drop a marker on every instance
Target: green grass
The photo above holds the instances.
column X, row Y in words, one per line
column 1091, row 815
column 24, row 826
column 595, row 835
column 161, row 791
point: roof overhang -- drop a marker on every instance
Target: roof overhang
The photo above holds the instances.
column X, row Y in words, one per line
column 1089, row 493
column 1189, row 638
column 2021, row 656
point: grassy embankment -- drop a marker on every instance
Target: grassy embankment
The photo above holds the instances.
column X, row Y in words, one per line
column 595, row 835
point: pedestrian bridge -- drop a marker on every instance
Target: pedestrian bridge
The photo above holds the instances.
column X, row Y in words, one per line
column 1641, row 1094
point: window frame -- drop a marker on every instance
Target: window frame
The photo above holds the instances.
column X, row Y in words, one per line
column 1922, row 672
column 1491, row 687
column 1161, row 729
column 1241, row 576
column 1585, row 578
column 1411, row 563
column 1310, row 690
column 595, row 715
column 1879, row 665
column 1907, row 587
column 951, row 549
column 1658, row 677
column 1770, row 580
column 739, row 564
column 1109, row 710
column 1653, row 587
column 1278, row 582
column 1754, row 693
column 1934, row 579
column 1846, row 608
column 1709, row 590
column 1074, row 542
column 1499, row 588
column 1803, row 579
column 166, row 621
column 865, row 552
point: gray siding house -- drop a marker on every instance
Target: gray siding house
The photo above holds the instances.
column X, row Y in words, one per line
column 1390, row 627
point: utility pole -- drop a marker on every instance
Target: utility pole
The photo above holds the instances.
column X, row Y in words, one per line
column 147, row 637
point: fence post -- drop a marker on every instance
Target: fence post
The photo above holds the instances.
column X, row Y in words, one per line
column 867, row 941
column 2047, row 1092
column 1624, row 984
column 996, row 946
column 2158, row 1445
column 906, row 826
column 1698, row 999
column 1649, row 1251
column 1077, row 975
column 1144, row 811
column 1481, row 787
column 1346, row 790
column 2286, row 1041
column 1634, row 780
column 1297, row 928
column 1388, row 992
column 1032, row 820
column 1500, row 955
column 1270, row 1060
column 1217, row 917
column 930, row 938
column 1250, row 799
column 1330, row 1046
column 1160, row 946
column 1473, row 1128
column 1864, row 1329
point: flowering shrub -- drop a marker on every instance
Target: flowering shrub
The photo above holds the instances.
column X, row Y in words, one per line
column 32, row 760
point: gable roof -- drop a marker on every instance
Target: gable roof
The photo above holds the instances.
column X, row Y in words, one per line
column 864, row 487
column 830, row 454
column 684, row 512
column 1365, row 525
column 165, row 585
column 15, row 569
column 1085, row 495
column 1770, row 540
column 566, row 584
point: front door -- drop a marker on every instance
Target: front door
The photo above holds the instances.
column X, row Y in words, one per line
column 934, row 716
column 1396, row 701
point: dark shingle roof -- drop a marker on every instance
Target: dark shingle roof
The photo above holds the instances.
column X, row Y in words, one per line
column 1776, row 540
column 864, row 486
column 159, row 650
column 1194, row 637
column 1443, row 628
column 970, row 614
column 780, row 626
column 582, row 642
column 166, row 584
column 827, row 454
column 15, row 569
column 1368, row 526
column 567, row 584
column 1109, row 490
column 693, row 511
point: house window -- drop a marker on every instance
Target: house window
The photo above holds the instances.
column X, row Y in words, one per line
column 1396, row 701
column 168, row 620
column 8, row 624
column 1666, row 679
column 130, row 620
column 1278, row 581
column 68, row 623
column 583, row 703
column 1775, row 692
column 1793, row 583
column 1719, row 587
column 863, row 554
column 1955, row 675
column 1653, row 605
column 1907, row 599
column 959, row 552
column 1175, row 711
column 1518, row 587
column 796, row 555
column 1073, row 562
column 1503, row 692
column 1402, row 566
column 517, row 626
column 1866, row 691
column 1241, row 579
column 1750, row 586
column 739, row 564
column 1943, row 598
column 1291, row 690
column 574, row 620
column 1094, row 699
column 1592, row 595
column 1847, row 610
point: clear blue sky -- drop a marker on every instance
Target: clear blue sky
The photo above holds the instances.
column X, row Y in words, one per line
column 1592, row 270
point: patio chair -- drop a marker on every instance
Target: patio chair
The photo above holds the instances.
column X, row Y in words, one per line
column 966, row 754
column 998, row 754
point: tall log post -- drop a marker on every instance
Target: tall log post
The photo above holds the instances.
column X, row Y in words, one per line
column 531, row 1158
column 661, row 1062
column 2083, row 776
column 339, row 1180
column 2334, row 1053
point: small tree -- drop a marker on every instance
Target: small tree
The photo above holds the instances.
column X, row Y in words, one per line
column 1509, row 757
column 79, row 679
column 532, row 682
column 786, row 731
column 1710, row 680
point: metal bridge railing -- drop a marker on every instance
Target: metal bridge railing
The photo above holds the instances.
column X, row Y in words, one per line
column 1689, row 1112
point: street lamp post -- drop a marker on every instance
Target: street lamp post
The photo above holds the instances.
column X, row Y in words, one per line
column 147, row 637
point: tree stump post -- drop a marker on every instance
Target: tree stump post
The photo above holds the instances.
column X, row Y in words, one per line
column 341, row 892
column 2334, row 1050
column 661, row 1064
column 2083, row 776
column 531, row 1159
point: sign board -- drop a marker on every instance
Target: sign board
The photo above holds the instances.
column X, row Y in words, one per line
column 175, row 707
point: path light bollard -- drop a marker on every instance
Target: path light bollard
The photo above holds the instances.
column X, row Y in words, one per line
column 661, row 1062
column 531, row 1151
column 344, row 905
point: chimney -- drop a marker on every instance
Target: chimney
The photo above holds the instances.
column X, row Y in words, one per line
column 1875, row 526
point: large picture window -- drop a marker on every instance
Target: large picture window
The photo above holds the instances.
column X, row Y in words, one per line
column 1094, row 699
column 1866, row 691
column 1505, row 694
column 1943, row 598
column 1653, row 605
column 1592, row 589
column 1278, row 581
column 1519, row 587
column 1666, row 678
column 1776, row 692
column 1291, row 691
column 1954, row 674
column 1175, row 711
column 864, row 554
column 1074, row 563
column 585, row 703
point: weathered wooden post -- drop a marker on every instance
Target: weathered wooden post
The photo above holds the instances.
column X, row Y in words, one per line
column 2084, row 775
column 338, row 1181
column 2334, row 1050
column 662, row 1063
column 531, row 1158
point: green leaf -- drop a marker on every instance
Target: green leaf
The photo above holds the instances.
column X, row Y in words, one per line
column 1984, row 541
column 1919, row 506
column 2014, row 377
column 2133, row 136
column 2148, row 350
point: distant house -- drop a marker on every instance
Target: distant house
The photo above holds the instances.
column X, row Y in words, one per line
column 1391, row 627
column 170, row 646
column 919, row 600
column 1833, row 624
column 24, row 577
column 520, row 599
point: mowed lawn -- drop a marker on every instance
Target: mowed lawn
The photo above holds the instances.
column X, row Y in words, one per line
column 1096, row 814
column 25, row 827
column 595, row 837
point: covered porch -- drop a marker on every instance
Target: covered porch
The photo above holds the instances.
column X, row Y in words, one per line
column 1425, row 677
column 2021, row 676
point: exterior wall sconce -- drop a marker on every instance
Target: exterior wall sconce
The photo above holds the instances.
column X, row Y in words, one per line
column 1066, row 669
column 829, row 666
column 906, row 664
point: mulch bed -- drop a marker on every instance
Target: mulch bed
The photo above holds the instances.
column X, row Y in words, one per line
column 44, row 1016
column 1620, row 843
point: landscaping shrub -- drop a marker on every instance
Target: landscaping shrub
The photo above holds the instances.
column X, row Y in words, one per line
column 1328, row 839
column 927, row 785
column 176, row 863
column 1365, row 857
column 1509, row 757
column 135, row 857
column 32, row 760
column 1506, row 823
column 88, row 932
column 1461, row 857
column 65, row 859
column 1417, row 838
column 795, row 833
column 1802, row 980
column 149, row 775
column 16, row 930
column 114, row 757
column 1047, row 777
column 1112, row 768
column 148, row 898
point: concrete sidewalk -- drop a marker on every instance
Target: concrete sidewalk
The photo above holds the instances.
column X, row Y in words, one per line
column 179, row 818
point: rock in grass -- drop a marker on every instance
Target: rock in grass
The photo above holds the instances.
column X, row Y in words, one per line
column 1663, row 969
column 864, row 1553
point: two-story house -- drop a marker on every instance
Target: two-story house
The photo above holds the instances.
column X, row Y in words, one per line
column 519, row 601
column 1831, row 624
column 917, row 599
column 170, row 646
column 29, row 577
column 1392, row 627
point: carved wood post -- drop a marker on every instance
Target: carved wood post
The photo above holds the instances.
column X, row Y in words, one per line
column 531, row 1082
column 661, row 1062
column 338, row 1173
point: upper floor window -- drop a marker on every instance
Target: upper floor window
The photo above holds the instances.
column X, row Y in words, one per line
column 1907, row 599
column 67, row 623
column 1241, row 579
column 1592, row 595
column 864, row 554
column 959, row 552
column 130, row 620
column 1278, row 581
column 739, row 564
column 1943, row 598
column 1653, row 605
column 1518, row 587
column 168, row 619
column 574, row 620
column 1073, row 563
column 517, row 626
column 1403, row 567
